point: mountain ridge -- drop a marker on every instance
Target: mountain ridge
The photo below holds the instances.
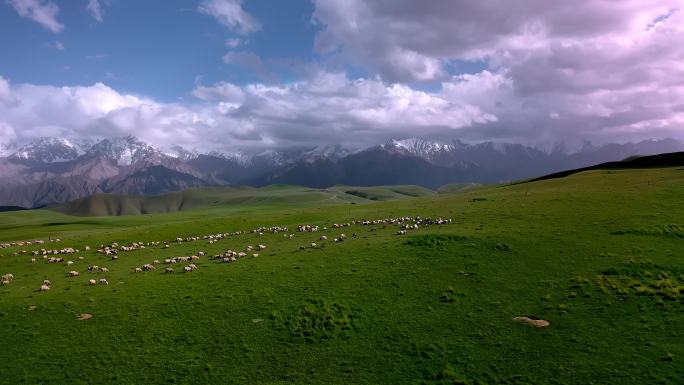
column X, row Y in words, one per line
column 50, row 171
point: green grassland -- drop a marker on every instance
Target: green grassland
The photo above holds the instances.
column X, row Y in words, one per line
column 599, row 254
column 237, row 198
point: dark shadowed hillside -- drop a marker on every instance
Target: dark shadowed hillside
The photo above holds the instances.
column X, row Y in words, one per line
column 675, row 159
column 153, row 180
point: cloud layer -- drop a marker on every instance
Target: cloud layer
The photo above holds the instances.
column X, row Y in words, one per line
column 587, row 69
column 328, row 107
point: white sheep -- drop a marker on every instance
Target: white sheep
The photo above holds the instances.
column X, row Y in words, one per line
column 44, row 287
column 103, row 281
column 92, row 282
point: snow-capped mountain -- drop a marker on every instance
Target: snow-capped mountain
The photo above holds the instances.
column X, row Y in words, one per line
column 238, row 157
column 270, row 156
column 124, row 150
column 51, row 150
column 329, row 151
column 55, row 170
column 419, row 147
column 179, row 152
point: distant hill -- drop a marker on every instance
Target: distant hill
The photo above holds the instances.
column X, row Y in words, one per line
column 4, row 209
column 240, row 197
column 454, row 188
column 674, row 159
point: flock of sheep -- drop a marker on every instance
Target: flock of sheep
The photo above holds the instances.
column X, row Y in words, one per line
column 26, row 243
column 405, row 223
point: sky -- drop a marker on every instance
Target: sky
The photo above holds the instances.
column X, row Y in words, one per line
column 247, row 74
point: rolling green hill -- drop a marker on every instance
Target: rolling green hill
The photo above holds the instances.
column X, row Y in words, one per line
column 598, row 254
column 239, row 198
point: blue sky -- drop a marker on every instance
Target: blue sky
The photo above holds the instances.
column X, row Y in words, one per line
column 155, row 48
column 238, row 74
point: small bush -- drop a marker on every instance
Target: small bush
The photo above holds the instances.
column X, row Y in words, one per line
column 502, row 247
column 317, row 321
column 449, row 295
column 433, row 241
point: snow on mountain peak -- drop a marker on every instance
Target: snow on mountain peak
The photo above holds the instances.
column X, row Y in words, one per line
column 238, row 157
column 419, row 147
column 179, row 152
column 330, row 151
column 50, row 150
column 125, row 150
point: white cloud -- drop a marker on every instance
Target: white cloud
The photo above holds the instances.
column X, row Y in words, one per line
column 405, row 40
column 7, row 134
column 328, row 107
column 96, row 8
column 580, row 69
column 56, row 45
column 43, row 12
column 331, row 108
column 584, row 70
column 233, row 42
column 220, row 92
column 6, row 96
column 99, row 56
column 230, row 14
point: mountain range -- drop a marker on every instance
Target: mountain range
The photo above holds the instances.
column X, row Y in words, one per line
column 49, row 171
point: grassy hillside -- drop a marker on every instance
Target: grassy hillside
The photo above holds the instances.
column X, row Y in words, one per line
column 599, row 254
column 672, row 159
column 240, row 198
column 455, row 188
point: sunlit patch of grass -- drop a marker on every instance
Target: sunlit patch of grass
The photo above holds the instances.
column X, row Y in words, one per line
column 631, row 281
column 671, row 230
